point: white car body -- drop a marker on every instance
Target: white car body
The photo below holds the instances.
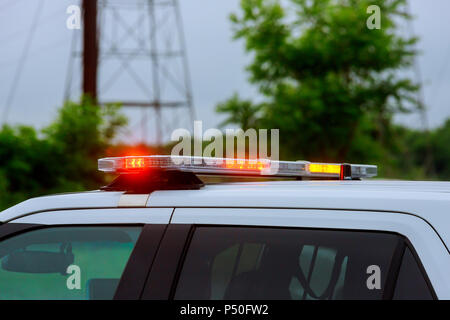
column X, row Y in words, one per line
column 420, row 211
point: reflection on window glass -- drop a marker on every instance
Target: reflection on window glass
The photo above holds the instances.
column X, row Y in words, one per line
column 65, row 262
column 300, row 264
column 318, row 263
column 225, row 266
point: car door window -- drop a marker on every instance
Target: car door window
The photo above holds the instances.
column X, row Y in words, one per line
column 82, row 262
column 285, row 263
column 411, row 283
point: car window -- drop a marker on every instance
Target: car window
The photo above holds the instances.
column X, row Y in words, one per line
column 79, row 263
column 411, row 283
column 277, row 263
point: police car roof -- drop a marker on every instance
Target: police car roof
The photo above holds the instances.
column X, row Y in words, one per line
column 426, row 199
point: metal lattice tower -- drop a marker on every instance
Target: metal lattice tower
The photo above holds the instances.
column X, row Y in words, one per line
column 142, row 65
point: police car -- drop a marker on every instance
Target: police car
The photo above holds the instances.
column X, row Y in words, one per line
column 318, row 231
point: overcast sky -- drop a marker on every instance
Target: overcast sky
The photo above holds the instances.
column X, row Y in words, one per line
column 216, row 62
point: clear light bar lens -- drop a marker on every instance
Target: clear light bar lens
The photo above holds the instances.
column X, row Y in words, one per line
column 364, row 171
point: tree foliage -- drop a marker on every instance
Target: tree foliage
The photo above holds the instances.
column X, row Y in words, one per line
column 242, row 112
column 330, row 84
column 62, row 157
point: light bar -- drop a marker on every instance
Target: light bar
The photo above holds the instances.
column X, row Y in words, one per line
column 227, row 166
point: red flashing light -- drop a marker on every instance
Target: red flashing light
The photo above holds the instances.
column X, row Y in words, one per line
column 135, row 163
column 345, row 172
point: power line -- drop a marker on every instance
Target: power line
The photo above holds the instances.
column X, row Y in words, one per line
column 9, row 4
column 48, row 18
column 418, row 74
column 421, row 99
column 130, row 31
column 45, row 48
column 440, row 75
column 23, row 57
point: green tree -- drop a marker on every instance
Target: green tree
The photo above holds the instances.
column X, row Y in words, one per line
column 241, row 112
column 79, row 136
column 330, row 84
column 441, row 151
column 25, row 164
column 63, row 157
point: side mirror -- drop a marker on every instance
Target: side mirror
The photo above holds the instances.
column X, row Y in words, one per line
column 27, row 261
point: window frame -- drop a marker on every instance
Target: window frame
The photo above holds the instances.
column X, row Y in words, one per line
column 428, row 246
column 164, row 277
column 137, row 268
column 406, row 244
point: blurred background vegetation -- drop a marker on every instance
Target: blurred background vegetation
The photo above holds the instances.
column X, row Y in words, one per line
column 331, row 86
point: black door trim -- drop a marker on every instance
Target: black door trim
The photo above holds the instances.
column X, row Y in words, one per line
column 159, row 285
column 140, row 262
column 10, row 229
column 394, row 270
